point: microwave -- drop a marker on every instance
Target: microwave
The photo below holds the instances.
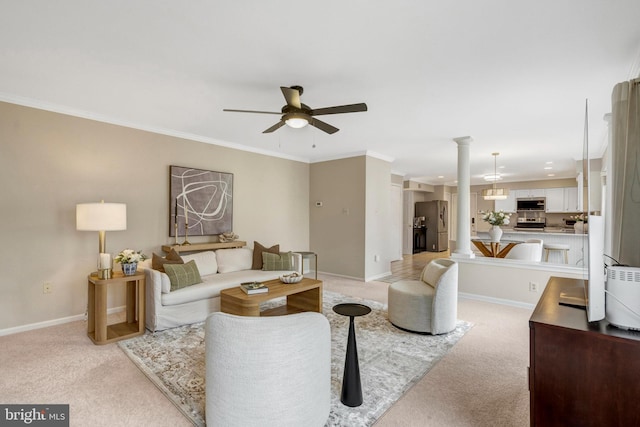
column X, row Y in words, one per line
column 531, row 204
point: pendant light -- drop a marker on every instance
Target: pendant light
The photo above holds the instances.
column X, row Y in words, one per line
column 495, row 193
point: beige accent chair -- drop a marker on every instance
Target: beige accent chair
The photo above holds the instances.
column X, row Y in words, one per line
column 428, row 305
column 267, row 371
column 530, row 250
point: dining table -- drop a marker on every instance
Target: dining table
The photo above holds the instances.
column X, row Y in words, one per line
column 495, row 249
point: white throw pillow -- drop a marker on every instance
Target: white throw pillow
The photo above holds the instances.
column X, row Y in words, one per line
column 205, row 261
column 234, row 259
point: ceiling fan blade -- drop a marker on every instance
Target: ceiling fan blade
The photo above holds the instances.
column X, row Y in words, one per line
column 251, row 111
column 292, row 96
column 351, row 108
column 326, row 127
column 274, row 127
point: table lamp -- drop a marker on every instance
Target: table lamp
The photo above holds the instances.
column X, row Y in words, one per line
column 102, row 217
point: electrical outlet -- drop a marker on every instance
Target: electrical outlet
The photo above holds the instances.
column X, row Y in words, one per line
column 376, row 258
column 47, row 288
column 533, row 287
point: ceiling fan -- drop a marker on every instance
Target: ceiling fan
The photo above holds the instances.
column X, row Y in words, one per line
column 297, row 115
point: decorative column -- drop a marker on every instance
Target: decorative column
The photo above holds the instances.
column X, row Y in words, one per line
column 463, row 232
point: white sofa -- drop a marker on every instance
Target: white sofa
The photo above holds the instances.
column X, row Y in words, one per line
column 220, row 269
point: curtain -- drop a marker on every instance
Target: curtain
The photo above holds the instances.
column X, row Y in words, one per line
column 625, row 171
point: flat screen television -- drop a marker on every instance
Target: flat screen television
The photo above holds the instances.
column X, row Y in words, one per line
column 591, row 296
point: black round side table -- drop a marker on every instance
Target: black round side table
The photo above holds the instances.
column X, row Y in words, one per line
column 351, row 385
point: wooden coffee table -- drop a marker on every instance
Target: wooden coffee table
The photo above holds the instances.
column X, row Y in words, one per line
column 305, row 295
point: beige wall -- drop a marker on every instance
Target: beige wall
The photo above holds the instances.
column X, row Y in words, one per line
column 49, row 162
column 351, row 229
column 378, row 229
column 337, row 232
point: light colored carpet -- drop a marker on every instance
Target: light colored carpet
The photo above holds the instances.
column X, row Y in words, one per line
column 481, row 382
column 391, row 361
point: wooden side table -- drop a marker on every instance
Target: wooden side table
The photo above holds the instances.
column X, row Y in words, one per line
column 97, row 328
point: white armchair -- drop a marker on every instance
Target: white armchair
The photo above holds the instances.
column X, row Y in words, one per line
column 428, row 305
column 267, row 371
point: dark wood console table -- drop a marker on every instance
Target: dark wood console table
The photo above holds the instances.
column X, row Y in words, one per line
column 581, row 373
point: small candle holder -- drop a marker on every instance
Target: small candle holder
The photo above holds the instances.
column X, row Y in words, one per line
column 175, row 227
column 186, row 234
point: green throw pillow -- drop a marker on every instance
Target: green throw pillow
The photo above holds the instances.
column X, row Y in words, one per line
column 182, row 275
column 277, row 262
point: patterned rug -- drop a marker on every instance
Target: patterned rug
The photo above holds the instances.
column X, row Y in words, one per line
column 391, row 361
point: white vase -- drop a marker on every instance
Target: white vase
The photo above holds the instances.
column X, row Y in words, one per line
column 580, row 227
column 495, row 233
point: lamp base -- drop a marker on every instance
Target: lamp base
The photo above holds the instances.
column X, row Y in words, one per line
column 104, row 273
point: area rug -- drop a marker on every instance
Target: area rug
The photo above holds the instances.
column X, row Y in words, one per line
column 391, row 361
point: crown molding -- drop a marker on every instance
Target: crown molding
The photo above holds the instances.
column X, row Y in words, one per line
column 62, row 109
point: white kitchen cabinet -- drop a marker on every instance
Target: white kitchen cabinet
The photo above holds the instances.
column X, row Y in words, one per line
column 562, row 199
column 508, row 204
column 555, row 199
column 571, row 199
column 531, row 192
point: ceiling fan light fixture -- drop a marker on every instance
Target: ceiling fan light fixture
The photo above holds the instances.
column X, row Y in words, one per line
column 495, row 193
column 296, row 121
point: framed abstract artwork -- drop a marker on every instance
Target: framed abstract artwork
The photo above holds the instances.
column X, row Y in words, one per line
column 202, row 199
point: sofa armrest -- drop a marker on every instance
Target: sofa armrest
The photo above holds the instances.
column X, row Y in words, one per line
column 153, row 297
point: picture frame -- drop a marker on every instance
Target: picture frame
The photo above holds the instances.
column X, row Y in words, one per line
column 200, row 199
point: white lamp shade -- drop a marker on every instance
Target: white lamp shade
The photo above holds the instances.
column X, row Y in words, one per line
column 101, row 216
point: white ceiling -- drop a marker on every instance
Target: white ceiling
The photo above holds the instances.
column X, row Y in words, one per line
column 514, row 75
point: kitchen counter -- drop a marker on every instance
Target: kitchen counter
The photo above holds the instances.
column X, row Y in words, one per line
column 547, row 230
column 577, row 242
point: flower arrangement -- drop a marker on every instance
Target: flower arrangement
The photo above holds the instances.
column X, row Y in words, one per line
column 129, row 256
column 579, row 218
column 496, row 218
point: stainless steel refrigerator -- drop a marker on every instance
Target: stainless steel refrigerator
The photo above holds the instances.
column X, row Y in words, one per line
column 437, row 221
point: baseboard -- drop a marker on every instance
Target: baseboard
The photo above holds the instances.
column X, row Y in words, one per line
column 493, row 300
column 378, row 276
column 360, row 279
column 54, row 322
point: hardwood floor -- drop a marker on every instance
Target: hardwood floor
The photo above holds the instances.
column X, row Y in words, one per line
column 411, row 266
